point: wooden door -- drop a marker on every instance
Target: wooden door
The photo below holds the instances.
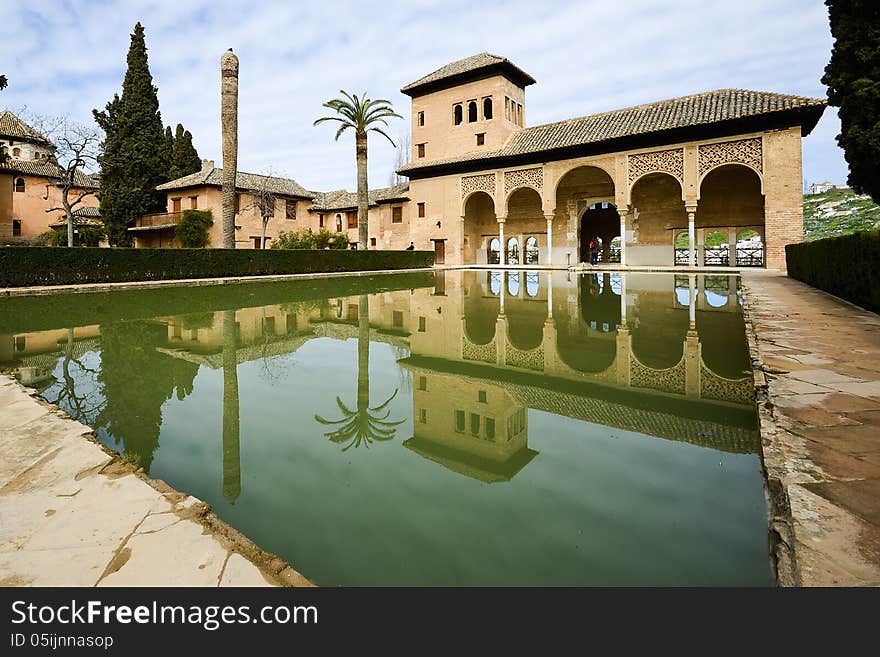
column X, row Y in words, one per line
column 439, row 252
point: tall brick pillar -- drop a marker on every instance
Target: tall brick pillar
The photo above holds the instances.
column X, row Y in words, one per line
column 783, row 194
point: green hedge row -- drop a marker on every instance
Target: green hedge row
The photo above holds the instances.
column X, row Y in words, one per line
column 57, row 266
column 847, row 266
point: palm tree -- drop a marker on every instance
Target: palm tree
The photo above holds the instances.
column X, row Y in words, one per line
column 363, row 115
column 363, row 424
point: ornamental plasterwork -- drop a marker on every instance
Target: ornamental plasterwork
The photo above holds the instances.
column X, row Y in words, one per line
column 666, row 380
column 669, row 161
column 533, row 178
column 484, row 182
column 527, row 360
column 741, row 151
column 712, row 386
column 485, row 353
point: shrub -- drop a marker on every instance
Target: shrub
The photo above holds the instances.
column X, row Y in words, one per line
column 339, row 241
column 50, row 266
column 845, row 266
column 84, row 236
column 192, row 228
column 294, row 239
column 322, row 238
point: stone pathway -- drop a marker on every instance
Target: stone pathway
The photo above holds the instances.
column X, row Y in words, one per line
column 71, row 514
column 820, row 421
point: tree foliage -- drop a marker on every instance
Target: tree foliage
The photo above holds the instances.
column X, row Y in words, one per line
column 135, row 157
column 192, row 229
column 853, row 80
column 306, row 239
column 184, row 156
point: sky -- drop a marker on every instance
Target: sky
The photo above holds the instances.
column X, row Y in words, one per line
column 67, row 57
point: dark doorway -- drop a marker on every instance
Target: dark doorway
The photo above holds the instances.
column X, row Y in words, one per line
column 439, row 252
column 600, row 224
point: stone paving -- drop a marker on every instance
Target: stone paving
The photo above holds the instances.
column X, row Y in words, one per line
column 820, row 420
column 73, row 514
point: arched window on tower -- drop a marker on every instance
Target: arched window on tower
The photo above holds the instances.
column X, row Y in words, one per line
column 472, row 111
column 19, row 184
column 16, row 152
column 487, row 108
column 457, row 116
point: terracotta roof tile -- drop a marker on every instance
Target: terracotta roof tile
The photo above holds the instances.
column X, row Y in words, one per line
column 483, row 60
column 344, row 200
column 12, row 126
column 47, row 169
column 214, row 178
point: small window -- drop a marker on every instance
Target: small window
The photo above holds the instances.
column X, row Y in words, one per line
column 372, row 241
column 397, row 215
column 16, row 152
column 423, row 415
column 420, row 149
column 320, row 221
column 475, row 424
column 19, row 184
column 421, row 324
column 338, row 223
column 421, row 119
column 352, row 311
column 421, row 207
column 194, row 202
column 16, row 227
column 482, row 397
column 290, row 209
column 490, row 429
column 507, row 108
column 481, row 138
column 352, row 218
column 457, row 115
column 423, row 383
column 268, row 326
column 459, row 421
column 176, row 331
column 487, row 108
column 396, row 318
column 175, row 204
column 519, row 121
column 472, row 111
column 21, row 341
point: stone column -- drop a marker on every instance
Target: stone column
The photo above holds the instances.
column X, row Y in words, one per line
column 731, row 246
column 692, row 236
column 571, row 237
column 549, row 218
column 229, row 134
column 622, row 212
column 503, row 254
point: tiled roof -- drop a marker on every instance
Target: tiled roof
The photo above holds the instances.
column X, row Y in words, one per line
column 214, row 177
column 472, row 64
column 47, row 169
column 344, row 200
column 689, row 111
column 12, row 126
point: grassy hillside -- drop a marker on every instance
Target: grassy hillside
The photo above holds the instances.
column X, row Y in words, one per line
column 839, row 213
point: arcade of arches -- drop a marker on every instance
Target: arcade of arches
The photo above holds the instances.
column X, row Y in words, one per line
column 633, row 210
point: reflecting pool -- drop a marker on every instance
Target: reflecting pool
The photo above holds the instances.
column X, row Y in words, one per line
column 447, row 428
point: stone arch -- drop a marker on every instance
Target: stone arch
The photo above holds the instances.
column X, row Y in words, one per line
column 523, row 196
column 478, row 212
column 652, row 175
column 19, row 185
column 658, row 214
column 592, row 176
column 525, row 319
column 758, row 174
column 731, row 200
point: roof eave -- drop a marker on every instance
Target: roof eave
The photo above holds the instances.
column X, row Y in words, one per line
column 505, row 69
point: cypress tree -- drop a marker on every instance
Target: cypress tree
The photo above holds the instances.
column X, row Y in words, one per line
column 185, row 159
column 135, row 157
column 169, row 152
column 853, row 80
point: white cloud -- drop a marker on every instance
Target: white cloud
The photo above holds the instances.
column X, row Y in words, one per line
column 69, row 57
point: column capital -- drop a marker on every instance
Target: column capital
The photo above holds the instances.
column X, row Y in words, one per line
column 623, row 212
column 500, row 218
column 549, row 217
column 690, row 209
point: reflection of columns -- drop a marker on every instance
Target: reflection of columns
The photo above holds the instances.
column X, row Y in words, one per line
column 549, row 218
column 624, row 355
column 501, row 340
column 692, row 300
column 503, row 254
column 231, row 447
column 503, row 291
column 623, row 299
column 549, row 295
column 692, row 237
column 461, row 242
column 692, row 364
column 622, row 212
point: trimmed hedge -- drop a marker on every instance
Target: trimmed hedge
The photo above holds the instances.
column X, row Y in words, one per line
column 847, row 266
column 54, row 266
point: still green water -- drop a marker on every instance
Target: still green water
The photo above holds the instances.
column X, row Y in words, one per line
column 456, row 428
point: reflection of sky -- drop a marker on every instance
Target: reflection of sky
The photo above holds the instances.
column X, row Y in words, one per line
column 715, row 299
column 683, row 296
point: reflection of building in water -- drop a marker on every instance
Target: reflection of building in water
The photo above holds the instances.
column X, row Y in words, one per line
column 32, row 357
column 475, row 428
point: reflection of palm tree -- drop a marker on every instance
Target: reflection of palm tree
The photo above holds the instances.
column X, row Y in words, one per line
column 364, row 424
column 231, row 448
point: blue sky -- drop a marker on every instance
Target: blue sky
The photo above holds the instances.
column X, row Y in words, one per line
column 67, row 57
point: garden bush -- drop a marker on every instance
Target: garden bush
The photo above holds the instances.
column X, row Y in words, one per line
column 847, row 266
column 192, row 228
column 306, row 239
column 84, row 236
column 52, row 266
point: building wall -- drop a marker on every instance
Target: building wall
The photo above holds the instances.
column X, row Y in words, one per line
column 23, row 150
column 442, row 138
column 30, row 205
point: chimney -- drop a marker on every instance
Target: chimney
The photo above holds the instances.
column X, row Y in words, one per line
column 207, row 165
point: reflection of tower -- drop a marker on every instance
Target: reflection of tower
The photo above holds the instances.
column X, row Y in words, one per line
column 231, row 447
column 467, row 425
